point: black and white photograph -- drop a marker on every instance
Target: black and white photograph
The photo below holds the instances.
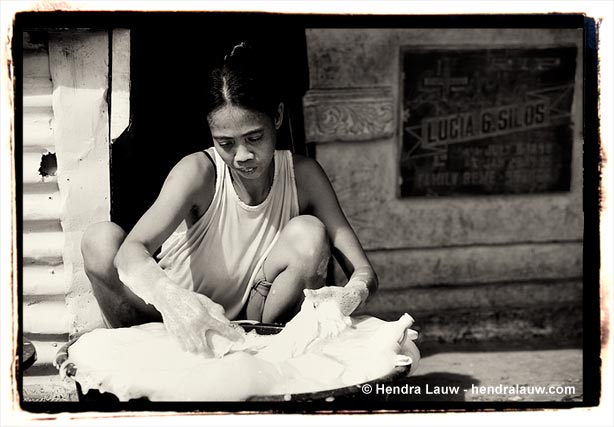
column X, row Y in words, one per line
column 254, row 212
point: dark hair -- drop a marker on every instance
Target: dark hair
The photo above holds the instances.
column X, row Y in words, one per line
column 245, row 80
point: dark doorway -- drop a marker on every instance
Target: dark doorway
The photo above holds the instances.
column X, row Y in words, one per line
column 170, row 57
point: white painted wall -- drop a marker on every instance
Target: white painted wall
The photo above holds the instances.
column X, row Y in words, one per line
column 79, row 70
column 43, row 271
column 45, row 314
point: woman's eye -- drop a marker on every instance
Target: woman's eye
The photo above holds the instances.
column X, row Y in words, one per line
column 255, row 138
column 224, row 143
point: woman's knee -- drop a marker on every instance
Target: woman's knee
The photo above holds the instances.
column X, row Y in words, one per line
column 308, row 236
column 307, row 233
column 99, row 245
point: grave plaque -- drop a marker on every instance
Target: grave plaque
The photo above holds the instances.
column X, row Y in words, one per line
column 486, row 121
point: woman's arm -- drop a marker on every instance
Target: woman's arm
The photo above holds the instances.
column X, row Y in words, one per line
column 317, row 197
column 172, row 206
column 187, row 315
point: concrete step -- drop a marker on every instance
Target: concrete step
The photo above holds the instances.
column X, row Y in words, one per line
column 48, row 316
column 43, row 247
column 43, row 226
column 41, row 280
column 495, row 311
column 31, row 169
column 38, row 130
column 552, row 323
column 471, row 265
column 483, row 296
column 41, row 206
column 37, row 94
column 41, row 187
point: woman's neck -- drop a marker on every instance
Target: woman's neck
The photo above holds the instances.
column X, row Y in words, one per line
column 252, row 192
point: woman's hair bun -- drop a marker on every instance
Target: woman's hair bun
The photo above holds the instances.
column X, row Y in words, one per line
column 239, row 53
column 246, row 79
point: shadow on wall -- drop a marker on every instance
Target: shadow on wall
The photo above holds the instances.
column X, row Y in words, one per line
column 555, row 326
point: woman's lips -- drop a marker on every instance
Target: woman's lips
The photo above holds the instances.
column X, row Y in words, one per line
column 247, row 171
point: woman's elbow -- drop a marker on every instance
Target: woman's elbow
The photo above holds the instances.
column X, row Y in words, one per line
column 129, row 253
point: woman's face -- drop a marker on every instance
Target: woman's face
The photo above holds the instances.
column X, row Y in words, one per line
column 244, row 139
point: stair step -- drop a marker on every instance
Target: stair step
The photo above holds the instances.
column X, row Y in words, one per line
column 43, row 280
column 48, row 316
column 31, row 169
column 37, row 130
column 37, row 94
column 41, row 206
column 43, row 247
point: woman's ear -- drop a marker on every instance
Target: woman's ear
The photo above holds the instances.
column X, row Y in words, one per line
column 279, row 118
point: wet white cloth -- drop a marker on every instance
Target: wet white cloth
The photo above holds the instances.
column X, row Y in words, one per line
column 319, row 349
column 219, row 255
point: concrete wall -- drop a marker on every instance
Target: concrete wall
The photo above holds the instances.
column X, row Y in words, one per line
column 43, row 272
column 45, row 314
column 80, row 74
column 66, row 112
column 441, row 259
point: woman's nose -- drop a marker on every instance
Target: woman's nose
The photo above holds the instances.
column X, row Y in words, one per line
column 243, row 154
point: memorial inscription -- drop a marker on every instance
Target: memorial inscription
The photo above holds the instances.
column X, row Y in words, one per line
column 486, row 121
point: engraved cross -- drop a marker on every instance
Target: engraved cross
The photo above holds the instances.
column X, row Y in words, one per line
column 445, row 80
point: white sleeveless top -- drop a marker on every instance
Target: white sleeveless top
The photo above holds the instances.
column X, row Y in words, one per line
column 219, row 255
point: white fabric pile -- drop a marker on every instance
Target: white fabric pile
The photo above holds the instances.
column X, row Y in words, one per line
column 318, row 350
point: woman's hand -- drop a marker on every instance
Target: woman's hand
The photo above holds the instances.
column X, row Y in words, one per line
column 348, row 298
column 193, row 319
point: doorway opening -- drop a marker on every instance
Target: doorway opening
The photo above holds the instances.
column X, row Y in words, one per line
column 170, row 58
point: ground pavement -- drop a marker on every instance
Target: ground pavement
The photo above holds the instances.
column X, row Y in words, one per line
column 489, row 373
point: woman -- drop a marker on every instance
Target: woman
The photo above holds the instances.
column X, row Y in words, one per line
column 260, row 225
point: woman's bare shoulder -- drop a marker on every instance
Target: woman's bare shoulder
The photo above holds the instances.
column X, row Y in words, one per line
column 194, row 175
column 196, row 167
